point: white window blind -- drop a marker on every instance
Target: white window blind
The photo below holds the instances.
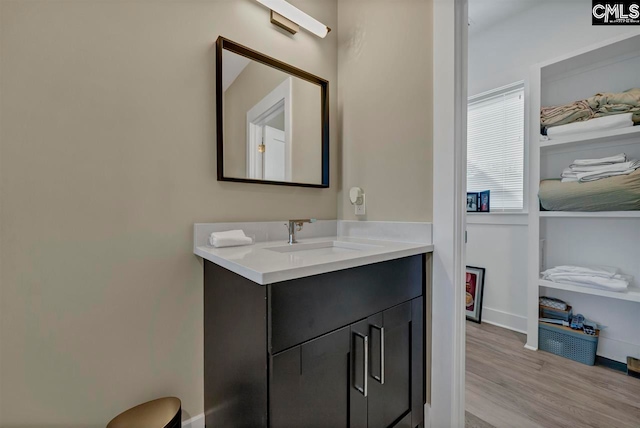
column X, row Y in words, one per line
column 495, row 146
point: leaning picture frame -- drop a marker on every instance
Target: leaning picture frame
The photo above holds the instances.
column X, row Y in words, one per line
column 472, row 202
column 484, row 201
column 474, row 293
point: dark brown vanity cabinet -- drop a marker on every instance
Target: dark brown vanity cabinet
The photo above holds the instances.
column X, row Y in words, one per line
column 342, row 349
column 388, row 368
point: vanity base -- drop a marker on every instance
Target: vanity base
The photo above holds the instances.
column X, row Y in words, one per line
column 341, row 349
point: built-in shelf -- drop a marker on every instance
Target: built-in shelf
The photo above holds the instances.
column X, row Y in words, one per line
column 597, row 214
column 594, row 137
column 632, row 294
column 555, row 82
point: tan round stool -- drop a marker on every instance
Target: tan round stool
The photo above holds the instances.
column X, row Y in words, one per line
column 161, row 413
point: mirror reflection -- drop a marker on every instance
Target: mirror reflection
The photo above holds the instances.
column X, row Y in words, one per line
column 272, row 123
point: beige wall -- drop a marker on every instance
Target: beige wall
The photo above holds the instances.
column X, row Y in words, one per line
column 306, row 140
column 385, row 102
column 107, row 159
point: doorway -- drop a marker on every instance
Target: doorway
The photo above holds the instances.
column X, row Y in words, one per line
column 269, row 151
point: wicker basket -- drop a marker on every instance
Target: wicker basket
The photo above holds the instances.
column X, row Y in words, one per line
column 572, row 344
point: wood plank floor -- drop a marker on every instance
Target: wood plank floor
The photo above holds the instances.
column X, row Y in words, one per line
column 511, row 387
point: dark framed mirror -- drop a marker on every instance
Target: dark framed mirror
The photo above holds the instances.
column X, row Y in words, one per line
column 272, row 120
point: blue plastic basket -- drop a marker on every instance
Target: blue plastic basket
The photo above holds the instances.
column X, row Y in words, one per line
column 567, row 343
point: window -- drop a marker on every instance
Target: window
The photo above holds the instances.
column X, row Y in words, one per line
column 495, row 146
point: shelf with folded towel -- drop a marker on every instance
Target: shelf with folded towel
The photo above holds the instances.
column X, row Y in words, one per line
column 596, row 129
column 632, row 294
column 604, row 136
column 594, row 214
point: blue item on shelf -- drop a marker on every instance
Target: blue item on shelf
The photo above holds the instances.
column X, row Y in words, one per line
column 577, row 322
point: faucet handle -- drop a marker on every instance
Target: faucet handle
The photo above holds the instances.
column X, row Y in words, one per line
column 301, row 221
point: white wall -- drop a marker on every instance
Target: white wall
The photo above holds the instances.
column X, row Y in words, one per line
column 502, row 250
column 498, row 56
column 505, row 52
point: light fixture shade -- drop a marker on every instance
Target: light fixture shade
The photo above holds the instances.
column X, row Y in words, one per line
column 296, row 15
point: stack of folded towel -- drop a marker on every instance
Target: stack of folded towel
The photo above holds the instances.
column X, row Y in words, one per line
column 598, row 106
column 606, row 278
column 585, row 170
column 231, row 238
column 618, row 121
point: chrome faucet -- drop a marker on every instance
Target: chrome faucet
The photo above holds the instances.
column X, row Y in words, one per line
column 297, row 225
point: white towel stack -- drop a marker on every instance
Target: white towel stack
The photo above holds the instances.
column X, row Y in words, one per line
column 230, row 238
column 616, row 121
column 606, row 278
column 585, row 170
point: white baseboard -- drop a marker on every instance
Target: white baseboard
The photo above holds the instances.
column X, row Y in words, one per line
column 194, row 422
column 617, row 350
column 505, row 320
column 427, row 416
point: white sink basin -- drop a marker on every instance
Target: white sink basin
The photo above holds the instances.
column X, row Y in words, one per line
column 320, row 248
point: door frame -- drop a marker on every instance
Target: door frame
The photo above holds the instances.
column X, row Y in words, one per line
column 268, row 133
column 450, row 20
column 260, row 114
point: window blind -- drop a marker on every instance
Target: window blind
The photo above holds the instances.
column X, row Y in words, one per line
column 495, row 146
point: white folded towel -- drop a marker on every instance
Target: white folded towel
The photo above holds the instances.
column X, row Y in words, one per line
column 614, row 167
column 624, row 168
column 569, row 176
column 586, row 170
column 612, row 284
column 616, row 121
column 569, row 173
column 622, row 157
column 603, row 271
column 230, row 238
column 602, row 277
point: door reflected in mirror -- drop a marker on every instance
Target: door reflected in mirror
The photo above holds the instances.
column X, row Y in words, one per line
column 274, row 120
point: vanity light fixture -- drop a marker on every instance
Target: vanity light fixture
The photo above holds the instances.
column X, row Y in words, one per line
column 288, row 17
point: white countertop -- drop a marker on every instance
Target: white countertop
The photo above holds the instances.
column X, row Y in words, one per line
column 264, row 266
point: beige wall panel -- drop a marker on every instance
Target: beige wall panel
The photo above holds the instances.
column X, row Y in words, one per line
column 107, row 159
column 385, row 107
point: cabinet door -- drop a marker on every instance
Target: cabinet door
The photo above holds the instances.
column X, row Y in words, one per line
column 380, row 392
column 390, row 367
column 359, row 375
column 309, row 383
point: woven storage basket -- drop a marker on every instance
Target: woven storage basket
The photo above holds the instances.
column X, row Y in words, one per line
column 572, row 344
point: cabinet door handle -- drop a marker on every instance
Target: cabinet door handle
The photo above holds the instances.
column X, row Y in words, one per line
column 365, row 371
column 381, row 377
